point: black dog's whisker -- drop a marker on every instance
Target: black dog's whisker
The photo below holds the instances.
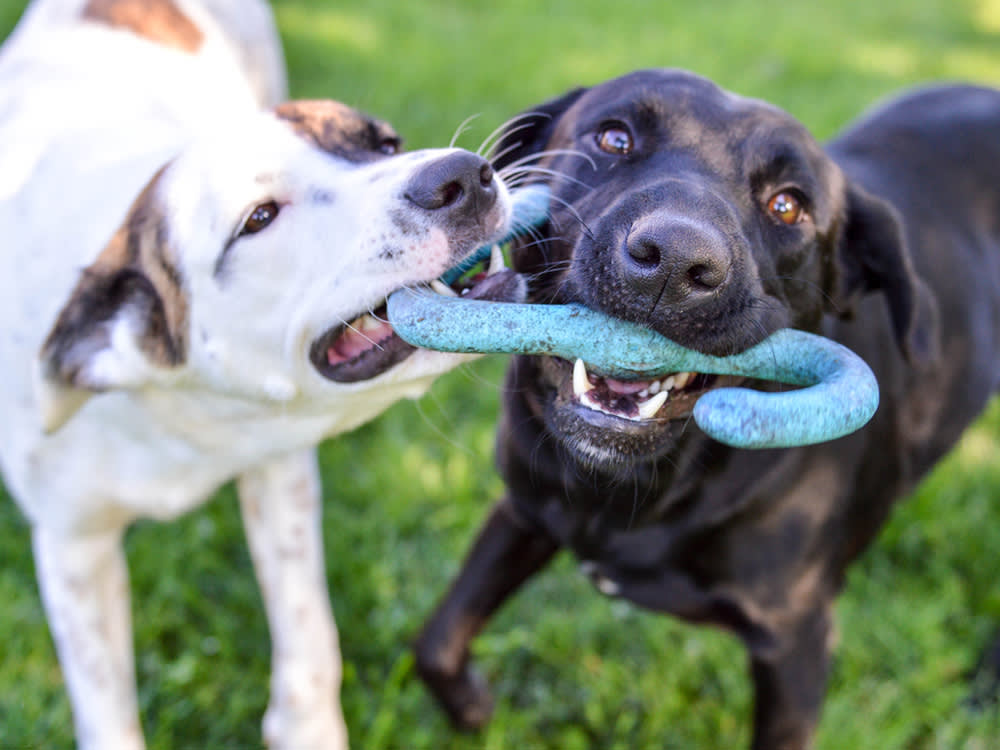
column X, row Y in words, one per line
column 524, row 120
column 574, row 213
column 805, row 282
column 503, row 129
column 509, row 174
column 494, row 157
column 539, row 155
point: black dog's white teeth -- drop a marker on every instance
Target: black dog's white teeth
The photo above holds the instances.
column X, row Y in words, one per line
column 637, row 405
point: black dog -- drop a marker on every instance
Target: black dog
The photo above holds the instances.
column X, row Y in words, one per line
column 716, row 220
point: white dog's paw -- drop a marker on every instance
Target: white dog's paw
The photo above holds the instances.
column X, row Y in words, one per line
column 304, row 730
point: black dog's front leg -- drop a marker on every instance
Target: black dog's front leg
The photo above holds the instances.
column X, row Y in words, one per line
column 505, row 554
column 789, row 655
column 790, row 684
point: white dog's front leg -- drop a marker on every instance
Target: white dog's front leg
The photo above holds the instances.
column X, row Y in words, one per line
column 84, row 585
column 282, row 515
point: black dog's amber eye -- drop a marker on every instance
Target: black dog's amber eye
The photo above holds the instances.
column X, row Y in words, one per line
column 786, row 207
column 616, row 140
column 259, row 218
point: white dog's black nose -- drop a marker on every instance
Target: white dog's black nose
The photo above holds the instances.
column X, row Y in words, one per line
column 460, row 183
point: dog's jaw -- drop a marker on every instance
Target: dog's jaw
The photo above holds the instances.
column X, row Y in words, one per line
column 610, row 424
column 368, row 346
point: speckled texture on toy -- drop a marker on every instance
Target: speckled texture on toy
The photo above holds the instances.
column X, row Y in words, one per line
column 840, row 396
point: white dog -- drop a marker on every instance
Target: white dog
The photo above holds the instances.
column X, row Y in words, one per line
column 188, row 294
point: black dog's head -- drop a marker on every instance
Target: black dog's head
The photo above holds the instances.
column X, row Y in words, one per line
column 710, row 218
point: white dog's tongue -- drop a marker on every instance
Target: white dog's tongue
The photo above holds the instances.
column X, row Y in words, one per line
column 362, row 335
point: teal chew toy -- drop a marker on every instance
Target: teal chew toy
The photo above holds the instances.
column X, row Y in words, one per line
column 839, row 396
column 530, row 207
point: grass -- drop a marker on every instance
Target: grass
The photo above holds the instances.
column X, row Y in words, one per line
column 405, row 494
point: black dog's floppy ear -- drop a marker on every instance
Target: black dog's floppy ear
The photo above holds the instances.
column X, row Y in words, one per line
column 528, row 133
column 873, row 255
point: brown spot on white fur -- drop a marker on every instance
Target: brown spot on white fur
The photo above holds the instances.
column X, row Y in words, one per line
column 159, row 21
column 136, row 269
column 337, row 128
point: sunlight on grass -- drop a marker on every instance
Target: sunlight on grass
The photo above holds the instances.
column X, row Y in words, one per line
column 977, row 65
column 881, row 57
column 977, row 448
column 910, row 62
column 425, row 475
column 332, row 26
column 987, row 15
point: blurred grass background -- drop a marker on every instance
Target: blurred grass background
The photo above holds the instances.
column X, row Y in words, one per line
column 571, row 669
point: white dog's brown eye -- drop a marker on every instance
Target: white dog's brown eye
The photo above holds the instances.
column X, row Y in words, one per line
column 786, row 207
column 259, row 217
column 615, row 139
column 389, row 146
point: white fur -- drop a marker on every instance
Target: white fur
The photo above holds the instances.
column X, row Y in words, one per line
column 93, row 113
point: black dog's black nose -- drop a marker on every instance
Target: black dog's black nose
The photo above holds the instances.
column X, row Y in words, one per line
column 460, row 182
column 675, row 259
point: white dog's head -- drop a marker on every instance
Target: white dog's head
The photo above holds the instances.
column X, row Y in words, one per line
column 257, row 262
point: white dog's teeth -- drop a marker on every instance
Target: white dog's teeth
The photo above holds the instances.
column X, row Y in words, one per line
column 667, row 383
column 368, row 323
column 443, row 289
column 496, row 261
column 654, row 387
column 581, row 383
column 648, row 409
column 681, row 379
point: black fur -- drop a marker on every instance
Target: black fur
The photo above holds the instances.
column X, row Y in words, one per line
column 898, row 209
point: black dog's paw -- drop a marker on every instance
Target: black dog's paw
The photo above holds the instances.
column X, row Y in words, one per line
column 471, row 703
column 461, row 692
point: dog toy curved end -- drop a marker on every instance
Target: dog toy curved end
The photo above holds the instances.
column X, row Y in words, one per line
column 842, row 397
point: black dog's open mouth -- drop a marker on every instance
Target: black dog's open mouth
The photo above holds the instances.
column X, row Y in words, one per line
column 670, row 397
column 368, row 346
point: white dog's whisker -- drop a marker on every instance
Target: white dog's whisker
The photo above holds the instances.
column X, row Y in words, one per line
column 462, row 128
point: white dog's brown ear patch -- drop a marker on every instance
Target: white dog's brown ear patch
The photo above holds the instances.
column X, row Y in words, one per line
column 159, row 21
column 339, row 129
column 126, row 319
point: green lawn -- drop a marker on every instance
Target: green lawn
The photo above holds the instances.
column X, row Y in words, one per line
column 405, row 494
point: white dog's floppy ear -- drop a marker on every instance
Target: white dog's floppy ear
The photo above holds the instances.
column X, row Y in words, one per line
column 125, row 320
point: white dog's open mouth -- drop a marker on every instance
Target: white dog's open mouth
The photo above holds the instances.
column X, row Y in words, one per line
column 367, row 346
